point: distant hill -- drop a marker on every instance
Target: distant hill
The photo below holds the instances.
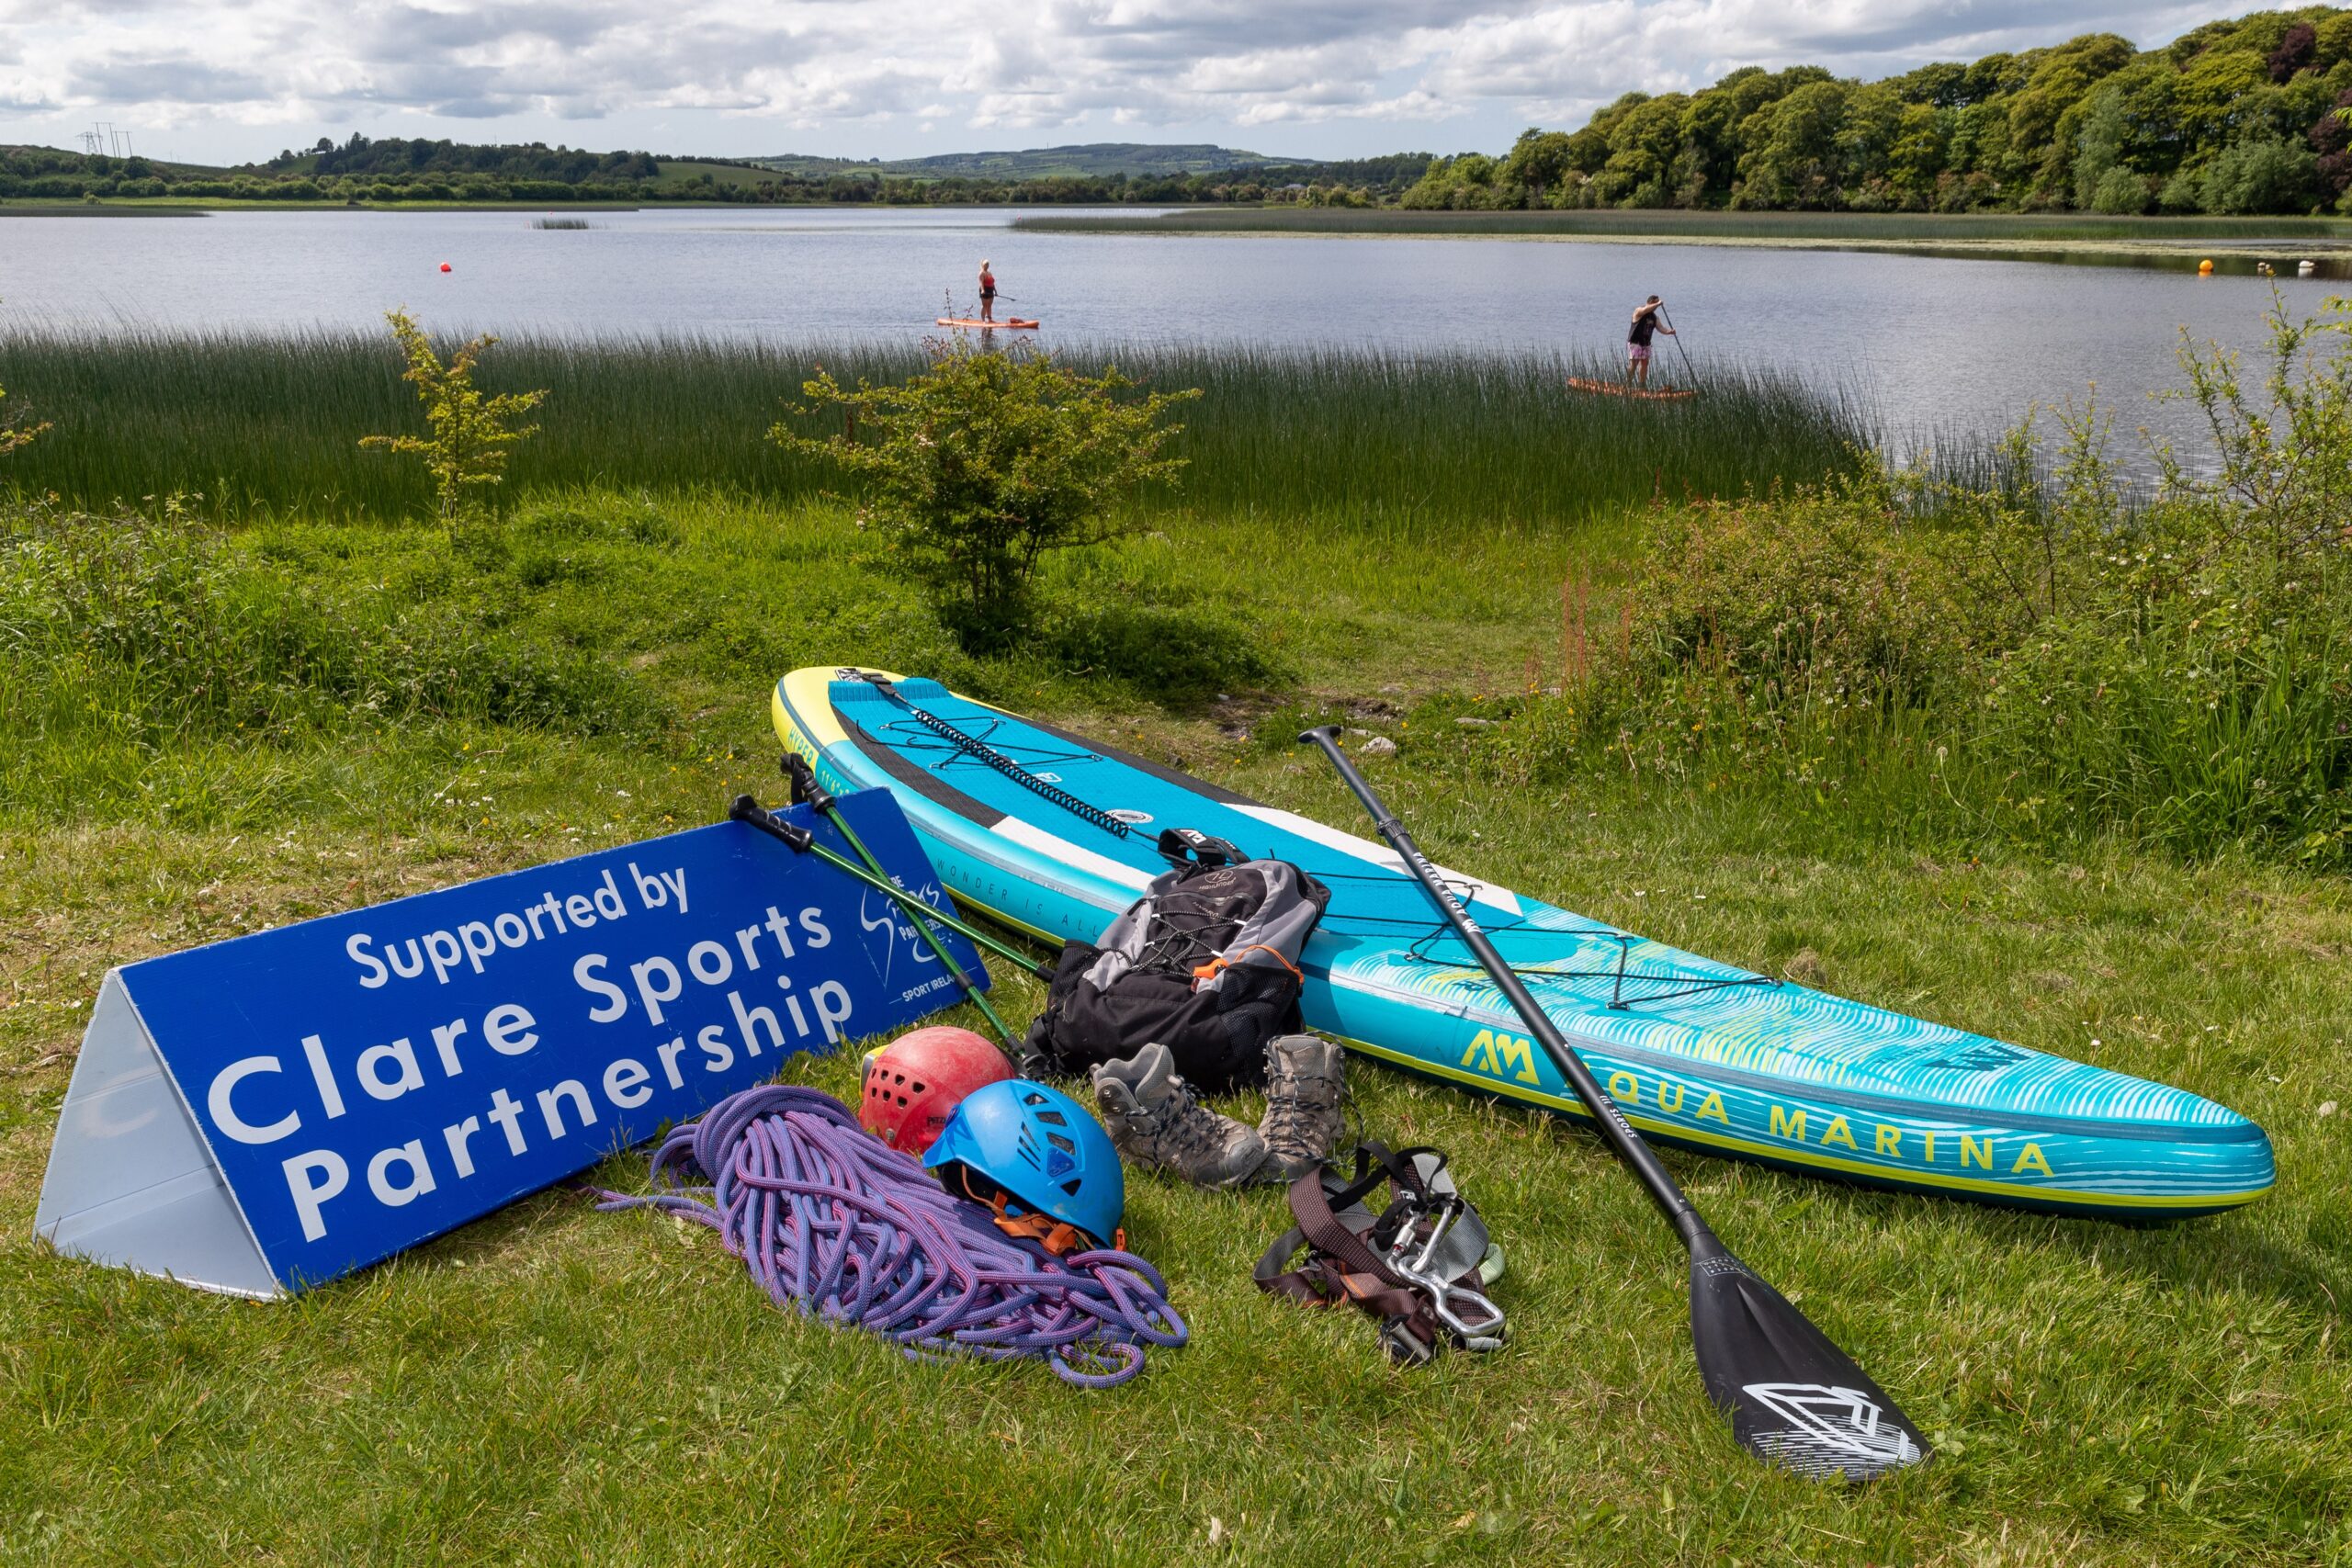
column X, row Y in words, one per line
column 1092, row 161
column 361, row 171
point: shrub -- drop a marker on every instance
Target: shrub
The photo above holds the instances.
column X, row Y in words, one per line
column 982, row 464
column 155, row 629
column 16, row 427
column 2075, row 657
column 470, row 436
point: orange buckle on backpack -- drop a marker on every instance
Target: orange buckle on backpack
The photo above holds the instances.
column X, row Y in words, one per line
column 1220, row 964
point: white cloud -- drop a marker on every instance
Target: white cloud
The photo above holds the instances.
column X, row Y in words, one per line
column 888, row 75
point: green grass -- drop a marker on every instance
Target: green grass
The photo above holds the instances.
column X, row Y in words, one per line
column 721, row 174
column 272, row 426
column 552, row 1384
column 1901, row 227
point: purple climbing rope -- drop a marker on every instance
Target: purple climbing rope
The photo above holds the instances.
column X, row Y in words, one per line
column 832, row 1221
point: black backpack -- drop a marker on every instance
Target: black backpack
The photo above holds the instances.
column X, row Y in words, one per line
column 1205, row 962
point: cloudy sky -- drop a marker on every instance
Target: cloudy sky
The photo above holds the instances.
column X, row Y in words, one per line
column 894, row 78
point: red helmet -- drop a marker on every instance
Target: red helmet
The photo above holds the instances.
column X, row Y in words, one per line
column 914, row 1083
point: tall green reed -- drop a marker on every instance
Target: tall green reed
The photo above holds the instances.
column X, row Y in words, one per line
column 270, row 426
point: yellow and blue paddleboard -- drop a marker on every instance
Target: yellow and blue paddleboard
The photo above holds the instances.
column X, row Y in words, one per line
column 1056, row 834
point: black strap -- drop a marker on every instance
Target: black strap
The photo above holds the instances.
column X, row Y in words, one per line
column 1190, row 846
column 981, row 751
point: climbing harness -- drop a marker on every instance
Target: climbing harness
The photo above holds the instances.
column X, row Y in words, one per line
column 830, row 1221
column 1421, row 1265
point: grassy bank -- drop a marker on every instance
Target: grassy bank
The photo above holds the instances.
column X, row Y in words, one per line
column 272, row 426
column 209, row 732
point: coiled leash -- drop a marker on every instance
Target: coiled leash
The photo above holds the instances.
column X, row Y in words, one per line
column 832, row 1222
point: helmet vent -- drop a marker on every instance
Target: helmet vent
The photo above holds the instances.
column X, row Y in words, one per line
column 1053, row 1117
column 1071, row 1186
column 1067, row 1146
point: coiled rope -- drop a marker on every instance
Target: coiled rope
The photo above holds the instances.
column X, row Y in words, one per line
column 834, row 1222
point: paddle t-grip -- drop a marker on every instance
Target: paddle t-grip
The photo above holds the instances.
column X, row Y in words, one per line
column 750, row 813
column 806, row 790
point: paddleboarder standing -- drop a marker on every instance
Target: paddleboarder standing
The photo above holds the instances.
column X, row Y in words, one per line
column 988, row 292
column 1637, row 339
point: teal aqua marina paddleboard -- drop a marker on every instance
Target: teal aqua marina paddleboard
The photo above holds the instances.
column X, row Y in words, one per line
column 1055, row 834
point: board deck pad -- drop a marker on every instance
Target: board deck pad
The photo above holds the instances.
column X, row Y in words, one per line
column 1696, row 1051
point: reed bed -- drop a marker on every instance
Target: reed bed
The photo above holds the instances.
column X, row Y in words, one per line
column 270, row 426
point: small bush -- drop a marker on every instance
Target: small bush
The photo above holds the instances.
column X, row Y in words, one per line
column 155, row 630
column 983, row 464
column 1171, row 656
column 470, row 436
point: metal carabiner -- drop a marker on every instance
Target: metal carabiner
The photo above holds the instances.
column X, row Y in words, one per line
column 1487, row 1335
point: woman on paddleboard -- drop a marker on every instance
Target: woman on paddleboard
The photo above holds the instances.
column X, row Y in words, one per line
column 988, row 292
column 1637, row 340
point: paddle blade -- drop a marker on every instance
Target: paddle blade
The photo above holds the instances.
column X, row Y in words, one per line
column 1795, row 1399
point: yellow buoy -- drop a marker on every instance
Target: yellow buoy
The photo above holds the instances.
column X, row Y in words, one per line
column 2205, row 269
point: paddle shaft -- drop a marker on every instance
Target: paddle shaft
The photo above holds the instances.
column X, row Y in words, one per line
column 805, row 785
column 1615, row 1131
column 800, row 840
column 1677, row 336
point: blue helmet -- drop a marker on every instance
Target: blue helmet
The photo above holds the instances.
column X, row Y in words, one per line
column 1040, row 1148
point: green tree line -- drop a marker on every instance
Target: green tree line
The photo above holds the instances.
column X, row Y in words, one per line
column 2244, row 115
column 392, row 169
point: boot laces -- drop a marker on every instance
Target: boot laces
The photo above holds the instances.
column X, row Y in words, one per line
column 1297, row 1102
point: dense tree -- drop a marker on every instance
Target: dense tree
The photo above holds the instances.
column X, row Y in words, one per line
column 2245, row 115
column 2238, row 116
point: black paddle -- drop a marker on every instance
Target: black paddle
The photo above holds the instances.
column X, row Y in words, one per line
column 1794, row 1398
column 1687, row 367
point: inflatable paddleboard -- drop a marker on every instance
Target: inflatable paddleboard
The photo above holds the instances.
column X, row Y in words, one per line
column 1016, row 323
column 1639, row 394
column 1055, row 834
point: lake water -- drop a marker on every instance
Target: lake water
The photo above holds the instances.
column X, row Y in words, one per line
column 1937, row 344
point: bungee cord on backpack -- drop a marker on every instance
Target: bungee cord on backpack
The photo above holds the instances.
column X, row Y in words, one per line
column 844, row 1229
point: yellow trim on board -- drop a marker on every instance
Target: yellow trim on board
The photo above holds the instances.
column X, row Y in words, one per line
column 1575, row 1108
column 785, row 717
column 1774, row 1152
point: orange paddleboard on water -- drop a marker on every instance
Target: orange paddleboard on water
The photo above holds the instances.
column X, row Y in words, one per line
column 1010, row 323
column 1618, row 390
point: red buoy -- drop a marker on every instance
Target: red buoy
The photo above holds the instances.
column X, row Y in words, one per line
column 445, row 266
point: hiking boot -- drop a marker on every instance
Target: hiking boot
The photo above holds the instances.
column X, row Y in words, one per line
column 1305, row 1084
column 1153, row 1120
